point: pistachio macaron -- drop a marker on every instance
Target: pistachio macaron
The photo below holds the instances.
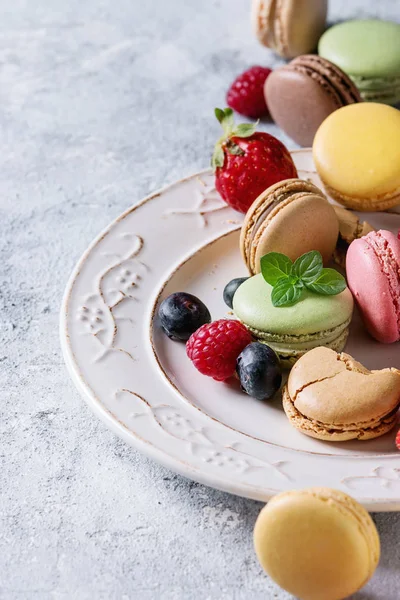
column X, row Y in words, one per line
column 293, row 330
column 333, row 397
column 292, row 217
column 369, row 51
column 356, row 152
column 317, row 543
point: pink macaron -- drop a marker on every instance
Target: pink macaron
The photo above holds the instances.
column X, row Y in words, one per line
column 373, row 276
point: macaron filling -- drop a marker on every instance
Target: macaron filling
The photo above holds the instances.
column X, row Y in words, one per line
column 339, row 88
column 390, row 267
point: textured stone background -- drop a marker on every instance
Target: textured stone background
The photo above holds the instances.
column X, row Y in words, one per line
column 101, row 102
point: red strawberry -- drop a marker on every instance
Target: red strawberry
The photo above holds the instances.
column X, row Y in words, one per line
column 246, row 94
column 247, row 162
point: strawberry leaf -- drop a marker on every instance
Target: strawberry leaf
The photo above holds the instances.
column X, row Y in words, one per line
column 218, row 157
column 245, row 130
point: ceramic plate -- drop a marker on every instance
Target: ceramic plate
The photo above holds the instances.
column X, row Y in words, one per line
column 142, row 385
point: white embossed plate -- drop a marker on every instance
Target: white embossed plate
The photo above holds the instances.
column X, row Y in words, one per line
column 146, row 390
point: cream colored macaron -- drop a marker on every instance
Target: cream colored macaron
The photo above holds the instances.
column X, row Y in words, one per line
column 290, row 27
column 292, row 217
column 317, row 543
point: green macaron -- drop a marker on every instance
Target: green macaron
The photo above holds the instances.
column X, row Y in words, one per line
column 368, row 51
column 293, row 330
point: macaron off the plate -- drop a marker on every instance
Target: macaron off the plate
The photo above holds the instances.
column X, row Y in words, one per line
column 304, row 92
column 290, row 27
column 369, row 51
column 317, row 543
column 356, row 152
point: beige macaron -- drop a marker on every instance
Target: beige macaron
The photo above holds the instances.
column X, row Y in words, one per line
column 317, row 543
column 292, row 217
column 350, row 229
column 332, row 397
column 290, row 27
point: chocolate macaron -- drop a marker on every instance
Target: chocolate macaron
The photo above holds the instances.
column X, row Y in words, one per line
column 303, row 93
column 292, row 217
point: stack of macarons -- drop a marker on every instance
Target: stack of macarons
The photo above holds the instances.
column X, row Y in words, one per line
column 357, row 60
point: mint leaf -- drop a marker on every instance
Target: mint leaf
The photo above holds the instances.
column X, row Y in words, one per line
column 275, row 266
column 308, row 267
column 285, row 293
column 329, row 283
column 245, row 129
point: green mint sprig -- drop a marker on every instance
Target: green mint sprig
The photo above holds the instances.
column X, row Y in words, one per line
column 244, row 130
column 288, row 278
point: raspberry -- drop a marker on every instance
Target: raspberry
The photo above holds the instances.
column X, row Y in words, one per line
column 246, row 94
column 214, row 347
column 398, row 440
column 398, row 234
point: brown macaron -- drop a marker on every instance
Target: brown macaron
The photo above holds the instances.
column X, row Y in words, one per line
column 350, row 229
column 301, row 94
column 292, row 217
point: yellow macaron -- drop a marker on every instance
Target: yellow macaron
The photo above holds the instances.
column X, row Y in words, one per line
column 317, row 543
column 357, row 155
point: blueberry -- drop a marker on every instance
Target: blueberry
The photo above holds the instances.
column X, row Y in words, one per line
column 181, row 314
column 259, row 371
column 230, row 289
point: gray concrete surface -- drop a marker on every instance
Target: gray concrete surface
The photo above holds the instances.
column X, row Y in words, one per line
column 101, row 102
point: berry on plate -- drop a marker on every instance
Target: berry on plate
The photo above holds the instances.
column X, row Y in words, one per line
column 247, row 162
column 181, row 314
column 230, row 289
column 246, row 94
column 398, row 440
column 214, row 348
column 259, row 371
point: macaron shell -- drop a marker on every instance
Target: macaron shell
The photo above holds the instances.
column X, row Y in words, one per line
column 274, row 194
column 316, row 543
column 337, row 391
column 313, row 104
column 290, row 27
column 368, row 48
column 298, row 25
column 372, row 287
column 297, row 226
column 306, row 91
column 321, row 431
column 356, row 151
column 313, row 313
